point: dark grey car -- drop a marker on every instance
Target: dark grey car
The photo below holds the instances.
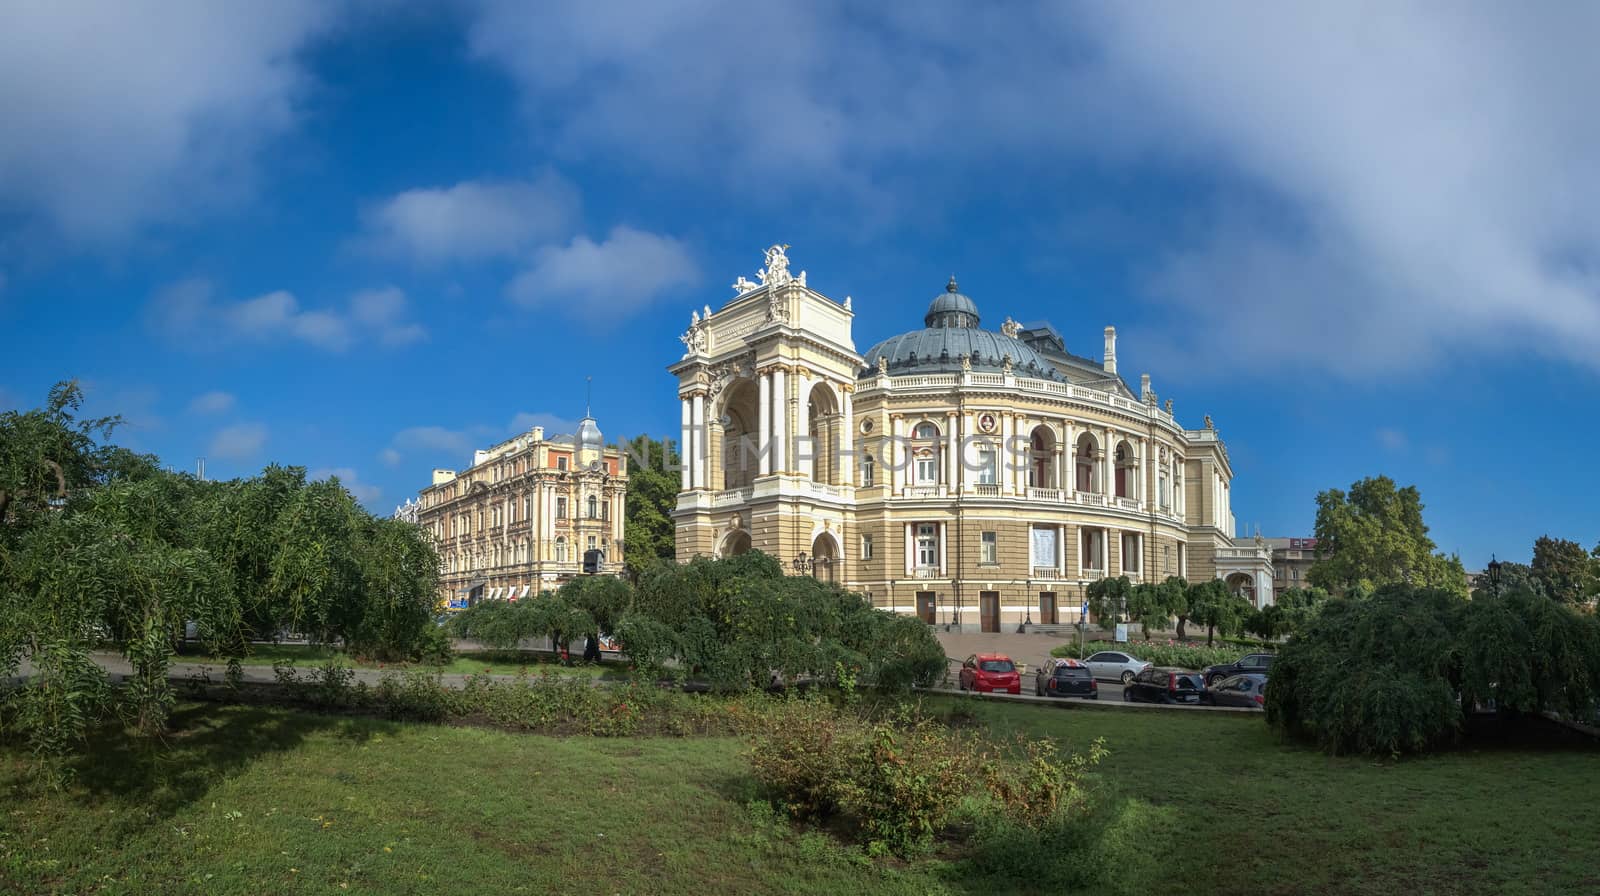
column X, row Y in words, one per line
column 1248, row 691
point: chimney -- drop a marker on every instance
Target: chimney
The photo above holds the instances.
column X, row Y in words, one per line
column 1111, row 350
column 538, row 433
column 440, row 477
column 1144, row 386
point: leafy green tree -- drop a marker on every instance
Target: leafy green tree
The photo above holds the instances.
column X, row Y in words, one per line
column 1153, row 605
column 1212, row 605
column 1266, row 622
column 47, row 454
column 647, row 529
column 1108, row 600
column 1512, row 577
column 1564, row 570
column 1297, row 606
column 1373, row 536
column 1175, row 595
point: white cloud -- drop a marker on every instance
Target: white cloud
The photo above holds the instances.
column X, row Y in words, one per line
column 188, row 311
column 212, row 403
column 365, row 492
column 471, row 220
column 1392, row 439
column 435, row 441
column 241, row 441
column 390, row 457
column 383, row 312
column 115, row 115
column 1407, row 182
column 606, row 279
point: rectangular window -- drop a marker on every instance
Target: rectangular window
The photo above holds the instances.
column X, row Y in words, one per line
column 988, row 550
column 866, row 547
column 1131, row 552
column 868, row 470
column 986, row 465
column 1045, row 549
column 591, row 542
column 927, row 469
column 561, row 508
column 1092, row 541
column 927, row 546
column 561, row 463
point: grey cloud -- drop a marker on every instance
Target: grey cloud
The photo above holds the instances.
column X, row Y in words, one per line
column 1404, row 181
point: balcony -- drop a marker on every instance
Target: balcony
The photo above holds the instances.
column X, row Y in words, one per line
column 925, row 572
column 1046, row 572
column 1091, row 499
column 922, row 491
column 1128, row 503
column 986, row 490
column 1044, row 494
column 731, row 497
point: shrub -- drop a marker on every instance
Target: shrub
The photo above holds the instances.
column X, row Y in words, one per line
column 801, row 750
column 1374, row 676
column 906, row 784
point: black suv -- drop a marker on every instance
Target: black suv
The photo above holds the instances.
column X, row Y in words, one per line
column 1252, row 664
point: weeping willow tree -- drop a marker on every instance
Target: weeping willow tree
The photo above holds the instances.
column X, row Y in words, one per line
column 103, row 551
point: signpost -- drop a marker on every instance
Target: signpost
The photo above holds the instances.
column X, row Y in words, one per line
column 1083, row 626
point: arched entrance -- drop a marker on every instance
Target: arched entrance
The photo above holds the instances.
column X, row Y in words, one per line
column 1042, row 458
column 1244, row 586
column 734, row 543
column 825, row 558
column 823, row 422
column 1083, row 464
column 740, row 421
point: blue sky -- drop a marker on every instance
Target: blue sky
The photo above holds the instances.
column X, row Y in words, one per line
column 365, row 237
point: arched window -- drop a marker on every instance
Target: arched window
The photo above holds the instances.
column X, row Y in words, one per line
column 561, row 549
column 925, row 430
column 868, row 470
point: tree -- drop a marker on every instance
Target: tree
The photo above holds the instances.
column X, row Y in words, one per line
column 1297, row 606
column 1512, row 577
column 647, row 530
column 1564, row 570
column 1212, row 605
column 1153, row 605
column 1175, row 595
column 47, row 454
column 1108, row 600
column 1375, row 536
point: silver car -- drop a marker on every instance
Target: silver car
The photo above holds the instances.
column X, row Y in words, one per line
column 1114, row 665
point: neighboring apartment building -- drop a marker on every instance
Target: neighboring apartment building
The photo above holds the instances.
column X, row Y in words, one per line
column 1291, row 560
column 965, row 475
column 519, row 520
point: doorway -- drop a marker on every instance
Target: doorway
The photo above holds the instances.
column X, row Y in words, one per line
column 926, row 607
column 1047, row 608
column 989, row 611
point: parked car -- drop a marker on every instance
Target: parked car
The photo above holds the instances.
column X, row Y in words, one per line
column 991, row 672
column 1065, row 678
column 1164, row 685
column 1250, row 664
column 1114, row 665
column 1248, row 690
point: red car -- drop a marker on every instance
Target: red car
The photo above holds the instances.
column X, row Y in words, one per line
column 993, row 672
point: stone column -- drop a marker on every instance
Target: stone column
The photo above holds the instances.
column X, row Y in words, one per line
column 1144, row 474
column 1021, row 454
column 952, row 463
column 1069, row 461
column 911, row 557
column 686, row 447
column 764, row 426
column 894, row 452
column 804, row 453
column 944, row 542
column 780, row 421
column 846, row 467
column 700, row 461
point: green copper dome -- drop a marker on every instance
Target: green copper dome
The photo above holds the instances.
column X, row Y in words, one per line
column 952, row 333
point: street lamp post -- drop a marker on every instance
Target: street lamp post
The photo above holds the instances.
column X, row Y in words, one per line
column 1494, row 576
column 804, row 565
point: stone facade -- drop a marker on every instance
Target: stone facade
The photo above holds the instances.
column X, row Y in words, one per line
column 519, row 520
column 976, row 478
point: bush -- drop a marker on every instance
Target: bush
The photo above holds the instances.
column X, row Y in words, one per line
column 1377, row 676
column 1185, row 656
column 905, row 785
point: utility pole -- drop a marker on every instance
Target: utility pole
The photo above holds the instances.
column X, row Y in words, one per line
column 200, row 471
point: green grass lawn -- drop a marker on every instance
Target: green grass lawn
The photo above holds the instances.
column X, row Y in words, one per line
column 252, row 800
column 468, row 662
